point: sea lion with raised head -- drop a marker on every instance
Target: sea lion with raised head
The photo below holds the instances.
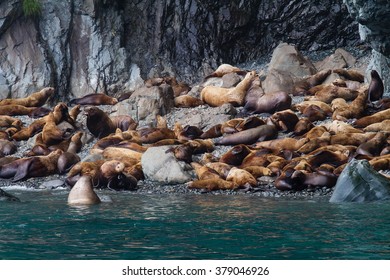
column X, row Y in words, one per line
column 83, row 193
column 99, row 123
column 376, row 88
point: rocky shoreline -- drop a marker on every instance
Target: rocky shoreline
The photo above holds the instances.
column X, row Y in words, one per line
column 204, row 117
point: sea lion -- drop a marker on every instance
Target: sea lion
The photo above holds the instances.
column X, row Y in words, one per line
column 337, row 127
column 277, row 145
column 321, row 178
column 284, row 120
column 37, row 166
column 330, row 92
column 217, row 96
column 235, row 155
column 220, row 167
column 256, row 158
column 118, row 153
column 303, row 126
column 111, row 168
column 15, row 110
column 36, row 99
column 8, row 121
column 350, row 74
column 66, row 161
column 376, row 88
column 249, row 136
column 212, row 184
column 304, row 104
column 94, row 99
column 241, row 178
column 301, row 87
column 124, row 122
column 182, row 152
column 90, row 168
column 285, row 182
column 224, row 69
column 375, row 118
column 383, row 126
column 204, row 172
column 212, row 132
column 39, row 112
column 353, row 110
column 230, row 126
column 7, row 147
column 151, row 135
column 268, row 102
column 314, row 113
column 187, row 101
column 51, row 134
column 354, row 139
column 373, row 146
column 82, row 192
column 99, row 123
column 187, row 132
column 258, row 171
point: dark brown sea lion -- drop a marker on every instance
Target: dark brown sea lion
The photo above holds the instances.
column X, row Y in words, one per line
column 154, row 134
column 314, row 113
column 94, row 99
column 187, row 132
column 376, row 88
column 217, row 96
column 284, row 120
column 303, row 126
column 249, row 136
column 235, row 155
column 39, row 112
column 124, row 122
column 304, row 104
column 83, row 193
column 375, row 118
column 373, row 146
column 99, row 123
column 285, row 182
column 269, row 103
column 37, row 166
column 212, row 132
column 36, row 99
column 315, row 179
column 302, row 87
column 250, row 122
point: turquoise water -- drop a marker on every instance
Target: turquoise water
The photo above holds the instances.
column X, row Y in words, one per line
column 141, row 226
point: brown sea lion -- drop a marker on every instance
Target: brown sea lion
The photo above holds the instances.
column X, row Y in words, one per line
column 373, row 146
column 94, row 99
column 66, row 161
column 90, row 168
column 383, row 126
column 353, row 110
column 350, row 74
column 15, row 110
column 37, row 166
column 83, row 193
column 36, row 99
column 256, row 158
column 285, row 182
column 187, row 132
column 212, row 132
column 224, row 69
column 354, row 139
column 230, row 126
column 337, row 127
column 303, row 126
column 375, row 118
column 268, row 102
column 220, row 167
column 315, row 179
column 39, row 112
column 330, row 92
column 302, row 87
column 111, row 168
column 376, row 88
column 249, row 136
column 182, row 152
column 51, row 134
column 315, row 113
column 118, row 153
column 258, row 171
column 99, row 123
column 124, row 122
column 277, row 145
column 154, row 134
column 284, row 120
column 217, row 96
column 7, row 147
column 235, row 155
column 187, row 101
column 304, row 104
column 8, row 121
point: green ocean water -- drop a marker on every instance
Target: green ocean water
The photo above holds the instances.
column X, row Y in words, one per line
column 177, row 226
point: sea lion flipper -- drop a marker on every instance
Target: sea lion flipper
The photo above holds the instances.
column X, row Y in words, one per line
column 22, row 171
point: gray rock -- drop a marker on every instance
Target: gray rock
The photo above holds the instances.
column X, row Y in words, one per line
column 4, row 196
column 161, row 166
column 359, row 182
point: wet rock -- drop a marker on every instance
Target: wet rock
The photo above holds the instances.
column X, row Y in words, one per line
column 161, row 166
column 4, row 196
column 359, row 182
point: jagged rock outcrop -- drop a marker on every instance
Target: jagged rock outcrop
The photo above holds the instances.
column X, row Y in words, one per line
column 80, row 46
column 373, row 18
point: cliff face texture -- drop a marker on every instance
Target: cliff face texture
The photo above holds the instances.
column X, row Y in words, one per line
column 373, row 18
column 82, row 46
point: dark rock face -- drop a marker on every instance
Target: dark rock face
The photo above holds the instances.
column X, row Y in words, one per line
column 82, row 46
column 373, row 18
column 359, row 182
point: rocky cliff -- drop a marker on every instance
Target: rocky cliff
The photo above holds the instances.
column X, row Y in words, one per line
column 82, row 46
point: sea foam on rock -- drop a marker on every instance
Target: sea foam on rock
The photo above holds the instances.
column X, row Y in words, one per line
column 359, row 182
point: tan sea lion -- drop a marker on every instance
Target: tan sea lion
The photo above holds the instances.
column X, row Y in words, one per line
column 277, row 145
column 258, row 171
column 36, row 99
column 212, row 184
column 354, row 139
column 304, row 104
column 376, row 88
column 217, row 96
column 82, row 193
column 94, row 99
column 375, row 118
column 224, row 69
column 15, row 110
column 315, row 113
column 330, row 92
column 383, row 126
column 204, row 172
column 241, row 177
column 353, row 110
column 220, row 167
column 51, row 134
column 154, row 134
column 187, row 101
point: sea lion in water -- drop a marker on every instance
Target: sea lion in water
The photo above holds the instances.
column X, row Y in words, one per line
column 94, row 99
column 36, row 99
column 376, row 88
column 217, row 96
column 82, row 192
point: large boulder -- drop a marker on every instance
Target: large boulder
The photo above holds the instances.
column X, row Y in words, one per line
column 359, row 182
column 160, row 165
